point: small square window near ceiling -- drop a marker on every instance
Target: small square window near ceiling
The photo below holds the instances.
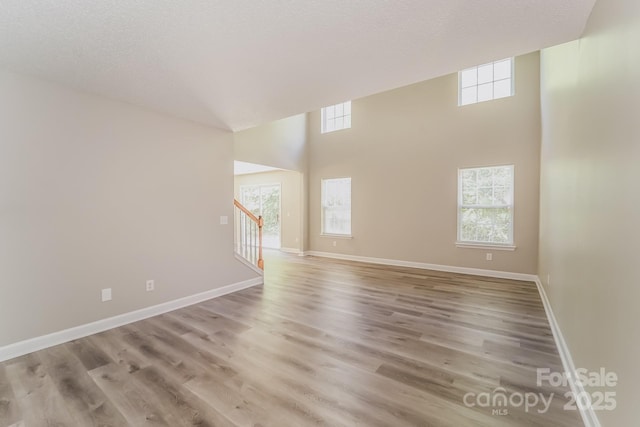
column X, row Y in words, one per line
column 486, row 82
column 336, row 117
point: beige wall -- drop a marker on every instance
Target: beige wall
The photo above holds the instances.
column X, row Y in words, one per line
column 280, row 144
column 291, row 202
column 590, row 203
column 97, row 194
column 403, row 153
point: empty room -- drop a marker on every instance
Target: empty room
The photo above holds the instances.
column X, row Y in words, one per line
column 319, row 213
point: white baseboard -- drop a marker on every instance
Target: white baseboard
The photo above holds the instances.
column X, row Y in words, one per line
column 425, row 266
column 588, row 415
column 291, row 251
column 34, row 344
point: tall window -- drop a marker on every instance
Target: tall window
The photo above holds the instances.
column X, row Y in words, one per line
column 336, row 117
column 336, row 206
column 486, row 82
column 485, row 205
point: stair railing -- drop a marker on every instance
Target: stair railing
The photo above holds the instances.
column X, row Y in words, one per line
column 248, row 235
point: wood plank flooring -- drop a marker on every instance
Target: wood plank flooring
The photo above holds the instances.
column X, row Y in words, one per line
column 323, row 342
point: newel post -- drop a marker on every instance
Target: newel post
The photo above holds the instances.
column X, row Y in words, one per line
column 260, row 260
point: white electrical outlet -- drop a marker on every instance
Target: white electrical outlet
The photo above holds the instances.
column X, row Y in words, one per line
column 106, row 295
column 335, row 243
column 151, row 285
column 489, row 256
column 224, row 220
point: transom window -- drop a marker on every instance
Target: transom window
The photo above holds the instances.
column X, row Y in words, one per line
column 336, row 117
column 485, row 82
column 485, row 205
column 336, row 206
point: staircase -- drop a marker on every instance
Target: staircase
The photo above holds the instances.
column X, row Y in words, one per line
column 248, row 236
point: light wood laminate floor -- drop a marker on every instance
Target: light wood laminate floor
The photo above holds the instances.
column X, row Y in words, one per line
column 323, row 342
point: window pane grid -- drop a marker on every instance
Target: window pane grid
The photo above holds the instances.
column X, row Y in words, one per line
column 471, row 79
column 336, row 206
column 489, row 225
column 486, row 82
column 485, row 205
column 336, row 117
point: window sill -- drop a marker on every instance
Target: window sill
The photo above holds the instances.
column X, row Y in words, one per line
column 337, row 236
column 332, row 131
column 494, row 246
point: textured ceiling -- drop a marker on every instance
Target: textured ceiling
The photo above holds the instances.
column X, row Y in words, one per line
column 238, row 63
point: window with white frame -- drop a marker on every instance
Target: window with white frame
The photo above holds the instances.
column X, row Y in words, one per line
column 485, row 82
column 336, row 117
column 485, row 205
column 336, row 206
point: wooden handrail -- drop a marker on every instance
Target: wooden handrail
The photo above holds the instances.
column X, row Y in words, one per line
column 246, row 211
column 260, row 222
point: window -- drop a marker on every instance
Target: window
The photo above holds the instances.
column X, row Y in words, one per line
column 264, row 200
column 485, row 205
column 336, row 117
column 486, row 82
column 336, row 206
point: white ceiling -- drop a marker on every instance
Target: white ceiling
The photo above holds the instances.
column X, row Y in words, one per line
column 238, row 63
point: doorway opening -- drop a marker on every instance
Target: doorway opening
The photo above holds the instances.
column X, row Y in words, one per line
column 265, row 200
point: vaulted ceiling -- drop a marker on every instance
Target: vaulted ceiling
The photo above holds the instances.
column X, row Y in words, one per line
column 238, row 63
